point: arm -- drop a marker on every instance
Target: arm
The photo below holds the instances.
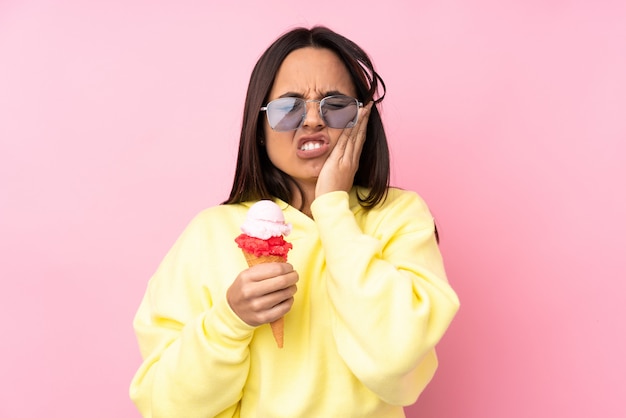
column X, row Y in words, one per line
column 389, row 292
column 195, row 348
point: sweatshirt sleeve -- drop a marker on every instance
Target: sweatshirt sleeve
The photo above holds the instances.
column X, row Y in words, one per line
column 388, row 290
column 195, row 348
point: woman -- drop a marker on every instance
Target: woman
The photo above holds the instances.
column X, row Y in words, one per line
column 371, row 299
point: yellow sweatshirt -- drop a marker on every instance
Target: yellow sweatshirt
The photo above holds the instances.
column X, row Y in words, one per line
column 372, row 302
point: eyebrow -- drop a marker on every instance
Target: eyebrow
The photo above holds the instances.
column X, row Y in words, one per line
column 326, row 94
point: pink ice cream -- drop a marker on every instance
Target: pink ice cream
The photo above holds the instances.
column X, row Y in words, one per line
column 263, row 231
column 265, row 219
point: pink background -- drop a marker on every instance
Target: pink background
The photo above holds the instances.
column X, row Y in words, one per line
column 119, row 121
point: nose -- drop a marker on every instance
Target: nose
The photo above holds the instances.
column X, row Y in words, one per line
column 313, row 117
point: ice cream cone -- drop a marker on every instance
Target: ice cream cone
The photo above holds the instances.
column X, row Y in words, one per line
column 253, row 260
column 278, row 326
column 278, row 330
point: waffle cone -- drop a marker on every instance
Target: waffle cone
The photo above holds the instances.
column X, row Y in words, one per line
column 278, row 326
column 253, row 260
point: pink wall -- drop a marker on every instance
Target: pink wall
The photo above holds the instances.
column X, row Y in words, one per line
column 119, row 121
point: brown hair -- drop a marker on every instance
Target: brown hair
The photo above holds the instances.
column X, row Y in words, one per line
column 255, row 176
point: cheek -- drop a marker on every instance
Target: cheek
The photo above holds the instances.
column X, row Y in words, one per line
column 333, row 135
column 269, row 141
column 278, row 145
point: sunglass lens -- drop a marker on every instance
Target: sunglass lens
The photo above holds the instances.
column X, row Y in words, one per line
column 285, row 114
column 339, row 111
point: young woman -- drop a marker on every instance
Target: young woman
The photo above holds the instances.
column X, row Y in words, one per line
column 364, row 296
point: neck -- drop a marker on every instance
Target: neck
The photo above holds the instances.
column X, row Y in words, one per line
column 303, row 196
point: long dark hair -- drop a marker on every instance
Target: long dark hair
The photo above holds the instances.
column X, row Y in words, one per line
column 255, row 176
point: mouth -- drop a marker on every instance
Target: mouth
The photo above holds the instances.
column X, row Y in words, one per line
column 308, row 146
column 312, row 146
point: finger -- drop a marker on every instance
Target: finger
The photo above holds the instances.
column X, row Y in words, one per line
column 267, row 307
column 351, row 141
column 275, row 312
column 252, row 289
column 264, row 271
column 280, row 309
column 348, row 134
column 260, row 280
column 342, row 143
column 361, row 130
column 364, row 117
column 270, row 300
column 276, row 284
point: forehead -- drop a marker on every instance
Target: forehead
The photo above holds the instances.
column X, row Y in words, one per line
column 312, row 73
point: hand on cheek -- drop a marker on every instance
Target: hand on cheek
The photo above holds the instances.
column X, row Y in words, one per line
column 343, row 162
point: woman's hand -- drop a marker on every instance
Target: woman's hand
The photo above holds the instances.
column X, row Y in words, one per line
column 263, row 293
column 343, row 162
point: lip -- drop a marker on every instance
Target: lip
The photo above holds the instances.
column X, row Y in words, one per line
column 313, row 153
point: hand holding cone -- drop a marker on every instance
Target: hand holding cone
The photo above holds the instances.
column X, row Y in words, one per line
column 278, row 326
column 262, row 242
